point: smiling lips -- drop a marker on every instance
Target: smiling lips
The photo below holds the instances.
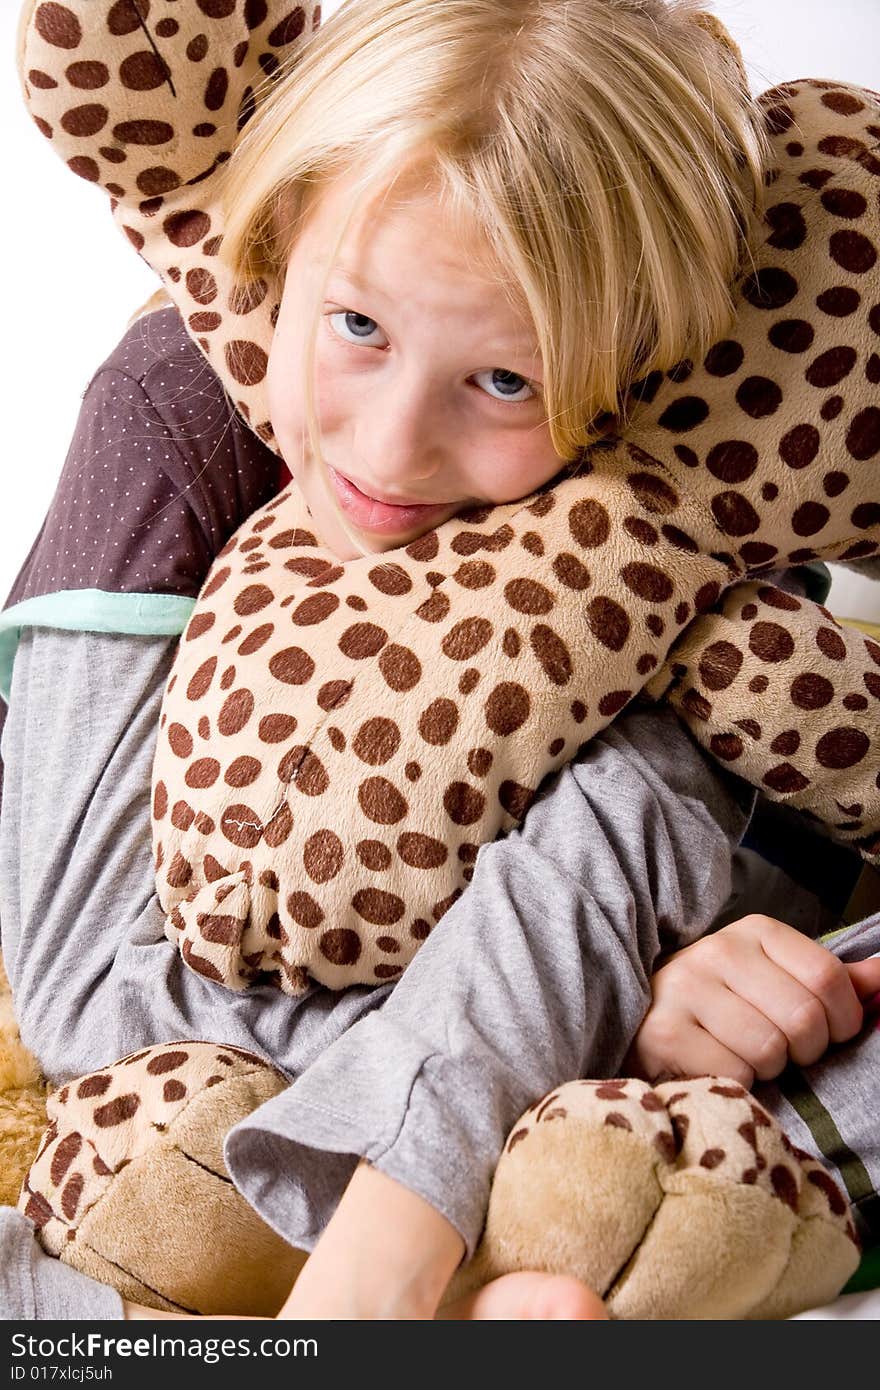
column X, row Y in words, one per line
column 372, row 515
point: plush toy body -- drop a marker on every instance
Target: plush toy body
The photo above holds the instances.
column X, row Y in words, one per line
column 338, row 741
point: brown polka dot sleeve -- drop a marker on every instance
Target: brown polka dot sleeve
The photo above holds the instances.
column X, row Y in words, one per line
column 160, row 472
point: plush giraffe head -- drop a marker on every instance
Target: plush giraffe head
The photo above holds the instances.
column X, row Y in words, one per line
column 338, row 740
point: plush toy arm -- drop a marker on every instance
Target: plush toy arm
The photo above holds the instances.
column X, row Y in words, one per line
column 145, row 99
column 777, row 690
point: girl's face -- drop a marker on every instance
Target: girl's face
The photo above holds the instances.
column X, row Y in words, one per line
column 428, row 383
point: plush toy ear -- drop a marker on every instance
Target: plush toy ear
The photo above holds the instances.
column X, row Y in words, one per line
column 147, row 100
column 712, row 24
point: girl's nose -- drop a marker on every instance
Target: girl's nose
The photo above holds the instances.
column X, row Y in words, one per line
column 402, row 440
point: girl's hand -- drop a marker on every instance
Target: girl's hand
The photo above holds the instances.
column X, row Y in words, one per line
column 745, row 1000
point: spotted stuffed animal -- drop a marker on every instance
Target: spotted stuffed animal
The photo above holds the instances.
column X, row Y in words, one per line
column 338, row 740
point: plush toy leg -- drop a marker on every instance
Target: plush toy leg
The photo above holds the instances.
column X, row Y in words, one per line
column 130, row 1186
column 683, row 1200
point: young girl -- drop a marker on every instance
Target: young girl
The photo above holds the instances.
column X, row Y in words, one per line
column 541, row 971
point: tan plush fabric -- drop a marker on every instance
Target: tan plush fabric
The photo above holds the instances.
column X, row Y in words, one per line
column 683, row 1200
column 130, row 1186
column 22, row 1101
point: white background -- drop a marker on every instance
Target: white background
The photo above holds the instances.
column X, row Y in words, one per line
column 72, row 281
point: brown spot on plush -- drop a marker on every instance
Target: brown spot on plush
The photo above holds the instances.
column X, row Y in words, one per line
column 589, row 523
column 786, row 744
column 842, row 747
column 173, row 1090
column 179, row 871
column 734, row 514
column 784, row 1185
column 241, row 826
column 811, row 691
column 202, row 773
column 613, row 702
column 66, row 1152
column 696, row 704
column 58, row 25
column 466, row 638
column 381, row 801
column 71, row 1194
column 665, row 1144
column 421, row 851
column 464, row 805
column 93, row 1086
column 167, row 1061
column 39, row 1209
column 727, row 747
column 515, row 798
column 852, row 251
column 609, row 622
column 611, row 1090
column 770, row 642
column 720, row 665
column 182, row 815
column 770, row 287
column 653, row 494
column 647, row 582
column 617, row 1121
column 711, row 1158
column 826, row 1184
column 785, row 778
column 830, row 644
column 507, row 708
column 438, row 722
column 236, row 711
column 275, row 728
column 515, row 1138
column 552, row 653
column 304, row 910
column 117, row 1111
column 340, row 946
column 292, row 666
column 376, row 906
column 863, row 435
column 323, row 855
column 201, row 680
column 750, row 726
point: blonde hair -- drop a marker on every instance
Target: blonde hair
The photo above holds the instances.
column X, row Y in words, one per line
column 608, row 151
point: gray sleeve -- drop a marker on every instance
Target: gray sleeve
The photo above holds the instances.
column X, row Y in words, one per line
column 538, row 974
column 35, row 1286
column 93, row 976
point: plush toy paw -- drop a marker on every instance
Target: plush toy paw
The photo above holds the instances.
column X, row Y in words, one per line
column 130, row 1187
column 681, row 1200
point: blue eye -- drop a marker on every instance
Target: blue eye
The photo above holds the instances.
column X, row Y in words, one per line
column 358, row 324
column 509, row 384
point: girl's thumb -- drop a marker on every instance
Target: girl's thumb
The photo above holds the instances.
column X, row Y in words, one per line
column 865, row 977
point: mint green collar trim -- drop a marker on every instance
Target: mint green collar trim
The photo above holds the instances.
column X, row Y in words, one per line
column 90, row 610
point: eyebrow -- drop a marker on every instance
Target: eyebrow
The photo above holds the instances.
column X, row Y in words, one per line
column 512, row 350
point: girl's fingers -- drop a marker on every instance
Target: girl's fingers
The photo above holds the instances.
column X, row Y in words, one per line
column 825, row 977
column 791, row 1010
column 698, row 1053
column 741, row 1029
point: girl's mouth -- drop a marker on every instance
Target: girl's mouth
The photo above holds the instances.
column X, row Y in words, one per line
column 371, row 515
